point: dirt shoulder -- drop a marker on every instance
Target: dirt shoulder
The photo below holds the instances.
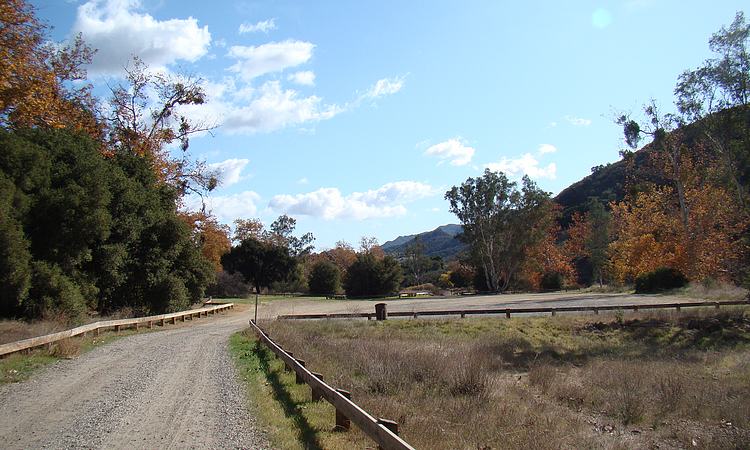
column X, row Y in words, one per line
column 172, row 389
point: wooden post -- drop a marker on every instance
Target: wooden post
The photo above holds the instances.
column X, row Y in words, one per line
column 287, row 368
column 98, row 331
column 553, row 312
column 136, row 326
column 174, row 320
column 161, row 322
column 463, row 314
column 416, row 315
column 718, row 305
column 342, row 422
column 117, row 328
column 596, row 310
column 391, row 425
column 316, row 394
column 677, row 308
column 297, row 377
column 381, row 312
column 150, row 324
column 507, row 314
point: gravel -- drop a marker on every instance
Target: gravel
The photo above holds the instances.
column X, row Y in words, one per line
column 176, row 388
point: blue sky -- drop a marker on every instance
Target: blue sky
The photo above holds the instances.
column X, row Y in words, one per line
column 356, row 117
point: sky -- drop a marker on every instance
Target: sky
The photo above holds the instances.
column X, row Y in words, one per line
column 355, row 117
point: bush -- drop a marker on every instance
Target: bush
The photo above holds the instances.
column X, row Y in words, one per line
column 660, row 279
column 325, row 278
column 371, row 276
column 551, row 281
column 229, row 285
column 54, row 294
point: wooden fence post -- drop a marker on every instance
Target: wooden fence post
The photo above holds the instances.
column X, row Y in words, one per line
column 316, row 394
column 391, row 425
column 342, row 422
column 297, row 377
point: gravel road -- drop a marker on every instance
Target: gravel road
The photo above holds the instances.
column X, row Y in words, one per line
column 175, row 388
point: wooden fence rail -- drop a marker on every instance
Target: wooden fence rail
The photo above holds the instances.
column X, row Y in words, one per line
column 383, row 432
column 509, row 311
column 117, row 325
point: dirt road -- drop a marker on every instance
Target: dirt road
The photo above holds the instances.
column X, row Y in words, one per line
column 546, row 300
column 175, row 388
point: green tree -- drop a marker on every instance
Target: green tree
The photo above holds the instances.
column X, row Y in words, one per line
column 371, row 276
column 415, row 261
column 500, row 223
column 261, row 263
column 325, row 278
column 597, row 242
column 716, row 96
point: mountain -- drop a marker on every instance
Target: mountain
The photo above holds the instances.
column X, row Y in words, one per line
column 442, row 241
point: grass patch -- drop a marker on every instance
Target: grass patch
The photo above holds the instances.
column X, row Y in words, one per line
column 645, row 379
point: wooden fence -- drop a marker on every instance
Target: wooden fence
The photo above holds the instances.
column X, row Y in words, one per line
column 383, row 432
column 509, row 311
column 117, row 325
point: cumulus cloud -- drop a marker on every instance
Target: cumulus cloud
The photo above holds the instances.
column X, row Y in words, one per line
column 271, row 108
column 546, row 148
column 227, row 208
column 329, row 203
column 453, row 150
column 578, row 121
column 230, row 171
column 383, row 87
column 526, row 164
column 263, row 26
column 118, row 31
column 254, row 61
column 305, row 78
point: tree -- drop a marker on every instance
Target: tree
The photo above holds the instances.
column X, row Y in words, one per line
column 415, row 261
column 370, row 276
column 261, row 263
column 281, row 234
column 500, row 222
column 589, row 237
column 41, row 83
column 325, row 278
column 667, row 141
column 210, row 235
column 144, row 126
column 716, row 96
column 247, row 228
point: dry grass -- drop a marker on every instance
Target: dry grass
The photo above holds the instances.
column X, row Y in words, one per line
column 564, row 382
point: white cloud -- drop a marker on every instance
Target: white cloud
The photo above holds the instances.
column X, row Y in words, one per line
column 454, row 150
column 329, row 203
column 263, row 26
column 272, row 108
column 546, row 148
column 227, row 208
column 118, row 31
column 305, row 78
column 303, row 180
column 254, row 61
column 383, row 87
column 526, row 164
column 578, row 121
column 230, row 171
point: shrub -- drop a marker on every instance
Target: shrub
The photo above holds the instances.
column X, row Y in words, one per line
column 661, row 279
column 54, row 294
column 229, row 285
column 325, row 278
column 551, row 281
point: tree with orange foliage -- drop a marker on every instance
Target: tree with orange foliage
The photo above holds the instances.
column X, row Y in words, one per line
column 589, row 238
column 35, row 76
column 212, row 236
column 649, row 235
column 547, row 258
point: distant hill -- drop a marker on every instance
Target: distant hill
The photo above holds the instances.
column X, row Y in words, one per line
column 442, row 242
